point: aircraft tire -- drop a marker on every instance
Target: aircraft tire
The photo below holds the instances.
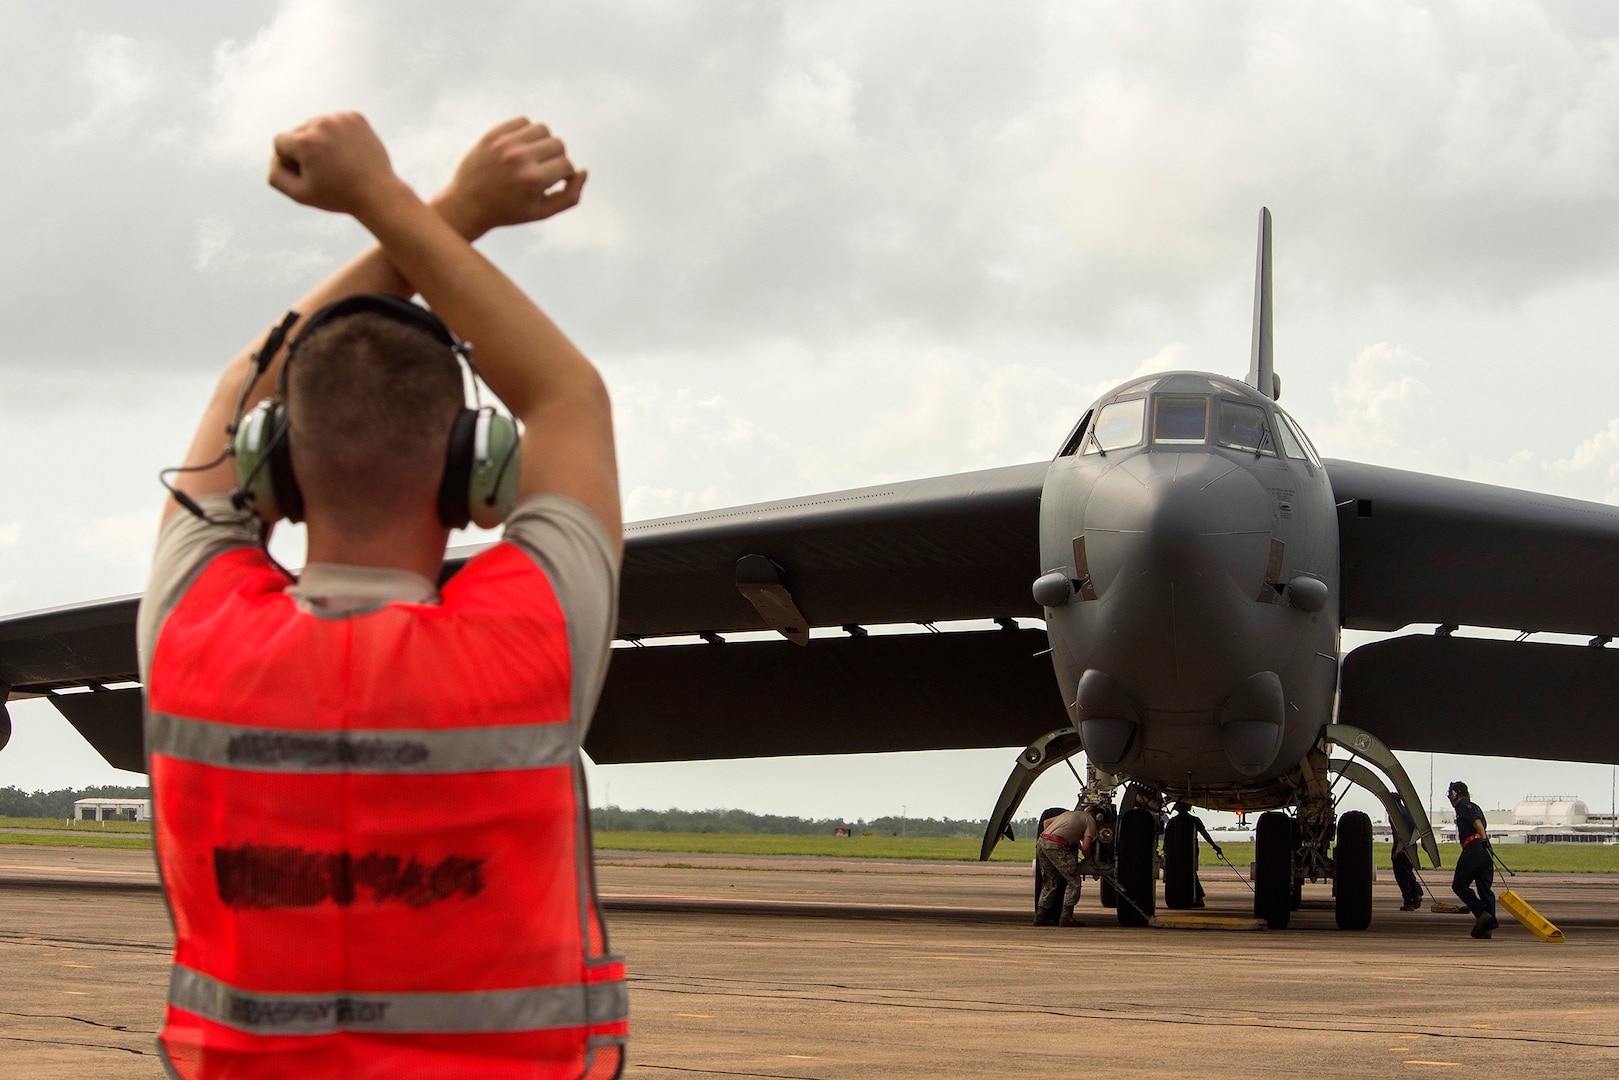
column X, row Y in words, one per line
column 1352, row 872
column 1273, row 869
column 1180, row 863
column 1137, row 839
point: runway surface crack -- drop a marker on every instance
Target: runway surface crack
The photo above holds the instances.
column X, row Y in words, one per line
column 77, row 1019
column 71, row 1043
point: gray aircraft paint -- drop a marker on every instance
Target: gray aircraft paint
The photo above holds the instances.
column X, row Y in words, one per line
column 1187, row 606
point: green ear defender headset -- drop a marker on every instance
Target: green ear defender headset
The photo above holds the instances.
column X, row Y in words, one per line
column 480, row 463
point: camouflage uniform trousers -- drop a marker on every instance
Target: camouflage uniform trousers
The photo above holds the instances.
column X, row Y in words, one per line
column 1059, row 866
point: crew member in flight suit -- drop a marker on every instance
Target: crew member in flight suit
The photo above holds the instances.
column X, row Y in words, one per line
column 1475, row 867
column 1185, row 809
column 1064, row 842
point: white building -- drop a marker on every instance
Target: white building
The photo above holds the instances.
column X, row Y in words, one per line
column 1539, row 819
column 112, row 809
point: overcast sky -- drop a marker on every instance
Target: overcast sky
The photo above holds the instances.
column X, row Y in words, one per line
column 826, row 245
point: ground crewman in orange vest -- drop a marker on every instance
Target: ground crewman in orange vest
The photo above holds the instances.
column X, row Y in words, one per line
column 371, row 818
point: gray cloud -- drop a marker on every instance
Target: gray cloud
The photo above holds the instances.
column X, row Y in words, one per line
column 823, row 174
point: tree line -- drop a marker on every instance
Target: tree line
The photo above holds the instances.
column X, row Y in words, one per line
column 14, row 802
column 618, row 819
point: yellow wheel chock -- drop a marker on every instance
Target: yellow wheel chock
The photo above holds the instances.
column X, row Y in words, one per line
column 1534, row 920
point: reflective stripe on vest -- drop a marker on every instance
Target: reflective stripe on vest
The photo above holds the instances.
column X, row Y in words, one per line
column 377, row 826
column 397, row 750
column 532, row 1009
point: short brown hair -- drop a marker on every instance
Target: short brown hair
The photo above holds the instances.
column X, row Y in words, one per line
column 370, row 403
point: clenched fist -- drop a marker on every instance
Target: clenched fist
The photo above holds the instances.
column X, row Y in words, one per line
column 508, row 178
column 333, row 162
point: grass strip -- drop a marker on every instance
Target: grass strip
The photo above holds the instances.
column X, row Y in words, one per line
column 98, row 827
column 1545, row 858
column 62, row 840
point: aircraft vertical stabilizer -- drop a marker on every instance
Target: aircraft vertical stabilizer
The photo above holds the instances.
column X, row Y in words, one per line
column 1261, row 365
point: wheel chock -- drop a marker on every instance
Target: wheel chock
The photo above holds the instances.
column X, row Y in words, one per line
column 1205, row 922
column 1534, row 920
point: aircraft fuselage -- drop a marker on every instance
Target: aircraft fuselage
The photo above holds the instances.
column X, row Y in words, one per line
column 1197, row 642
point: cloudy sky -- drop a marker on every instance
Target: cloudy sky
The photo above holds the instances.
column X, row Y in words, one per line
column 826, row 245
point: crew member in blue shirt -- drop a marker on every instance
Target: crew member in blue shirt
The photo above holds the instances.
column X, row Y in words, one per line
column 1475, row 866
column 1405, row 874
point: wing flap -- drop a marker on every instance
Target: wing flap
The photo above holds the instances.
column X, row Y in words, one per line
column 1429, row 549
column 1453, row 695
column 837, row 695
column 110, row 721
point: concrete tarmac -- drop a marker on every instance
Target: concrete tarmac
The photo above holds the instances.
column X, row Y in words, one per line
column 746, row 966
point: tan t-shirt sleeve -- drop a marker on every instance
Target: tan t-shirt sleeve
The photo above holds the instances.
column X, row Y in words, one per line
column 185, row 544
column 571, row 546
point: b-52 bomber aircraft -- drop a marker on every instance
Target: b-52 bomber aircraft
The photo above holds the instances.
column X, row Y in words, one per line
column 1168, row 591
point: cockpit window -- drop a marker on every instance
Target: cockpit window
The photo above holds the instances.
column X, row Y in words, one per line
column 1290, row 441
column 1180, row 420
column 1070, row 445
column 1243, row 427
column 1292, row 425
column 1117, row 426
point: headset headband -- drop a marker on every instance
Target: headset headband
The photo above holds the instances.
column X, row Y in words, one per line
column 387, row 305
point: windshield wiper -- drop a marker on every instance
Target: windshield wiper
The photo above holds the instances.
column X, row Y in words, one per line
column 1091, row 435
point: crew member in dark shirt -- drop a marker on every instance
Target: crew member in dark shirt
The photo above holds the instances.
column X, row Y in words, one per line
column 1475, row 867
column 1405, row 874
column 1182, row 808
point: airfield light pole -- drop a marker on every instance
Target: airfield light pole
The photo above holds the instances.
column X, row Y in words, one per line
column 902, row 821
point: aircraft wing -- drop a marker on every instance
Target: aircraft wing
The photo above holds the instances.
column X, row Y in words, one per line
column 952, row 547
column 917, row 552
column 83, row 648
column 1426, row 549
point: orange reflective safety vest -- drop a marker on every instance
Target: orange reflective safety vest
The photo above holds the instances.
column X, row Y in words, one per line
column 373, row 834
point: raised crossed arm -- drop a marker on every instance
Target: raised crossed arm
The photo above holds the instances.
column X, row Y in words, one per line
column 337, row 163
column 503, row 180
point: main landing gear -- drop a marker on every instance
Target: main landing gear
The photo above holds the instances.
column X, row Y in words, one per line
column 1273, row 869
column 1180, row 863
column 1352, row 872
column 1309, row 844
column 1136, row 869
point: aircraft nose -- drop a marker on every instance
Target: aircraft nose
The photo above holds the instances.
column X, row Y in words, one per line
column 1178, row 547
column 1186, row 518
